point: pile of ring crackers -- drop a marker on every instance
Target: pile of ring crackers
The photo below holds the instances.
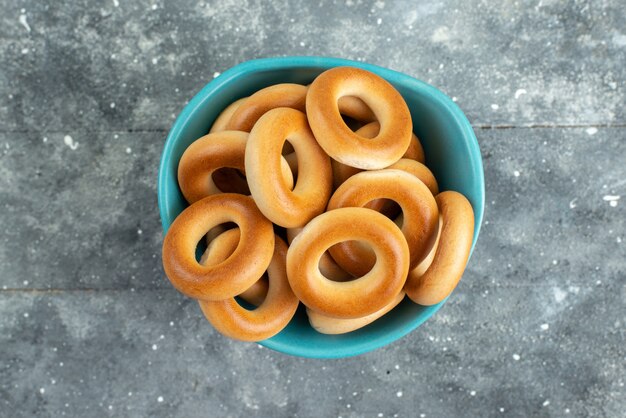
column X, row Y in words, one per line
column 315, row 194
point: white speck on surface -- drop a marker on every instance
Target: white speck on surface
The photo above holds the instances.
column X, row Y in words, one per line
column 45, row 139
column 473, row 393
column 154, row 346
column 454, row 99
column 501, row 409
column 555, row 262
column 546, row 403
column 619, row 39
column 25, row 282
column 441, row 35
column 26, row 315
column 171, row 323
column 516, row 173
column 110, row 407
column 567, row 410
column 380, row 414
column 545, row 327
column 139, row 232
column 116, row 3
column 112, row 105
column 598, row 282
column 216, row 74
column 128, row 150
column 25, row 51
column 619, row 240
column 42, row 390
column 572, row 203
column 160, row 399
column 559, row 295
column 591, row 131
column 519, row 92
column 130, row 393
column 399, row 394
column 380, row 4
column 155, row 60
column 154, row 7
column 302, row 43
column 397, row 367
column 379, row 21
column 69, row 141
column 495, row 106
column 516, row 357
column 24, row 22
column 610, row 198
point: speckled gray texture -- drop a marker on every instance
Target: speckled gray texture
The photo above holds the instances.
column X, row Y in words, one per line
column 89, row 326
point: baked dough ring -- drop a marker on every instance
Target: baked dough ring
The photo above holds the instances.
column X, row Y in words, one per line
column 327, row 265
column 391, row 209
column 223, row 118
column 337, row 138
column 414, row 151
column 210, row 153
column 348, row 106
column 219, row 248
column 418, row 207
column 271, row 316
column 355, row 298
column 328, row 325
column 419, row 170
column 342, row 172
column 285, row 207
column 356, row 109
column 455, row 242
column 239, row 271
column 264, row 100
column 428, row 260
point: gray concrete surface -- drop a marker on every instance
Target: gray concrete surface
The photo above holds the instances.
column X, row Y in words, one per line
column 89, row 326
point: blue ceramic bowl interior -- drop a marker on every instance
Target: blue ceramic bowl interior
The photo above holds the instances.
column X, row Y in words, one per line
column 451, row 149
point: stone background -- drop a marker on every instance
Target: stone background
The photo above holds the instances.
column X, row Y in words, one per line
column 89, row 326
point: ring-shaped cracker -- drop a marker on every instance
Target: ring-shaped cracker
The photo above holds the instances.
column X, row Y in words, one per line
column 235, row 274
column 359, row 297
column 283, row 206
column 337, row 139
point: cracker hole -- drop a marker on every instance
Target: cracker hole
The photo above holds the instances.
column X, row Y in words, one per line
column 230, row 180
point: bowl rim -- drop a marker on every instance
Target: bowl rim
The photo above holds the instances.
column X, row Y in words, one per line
column 299, row 62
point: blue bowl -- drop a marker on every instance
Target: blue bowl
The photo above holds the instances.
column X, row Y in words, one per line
column 451, row 149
